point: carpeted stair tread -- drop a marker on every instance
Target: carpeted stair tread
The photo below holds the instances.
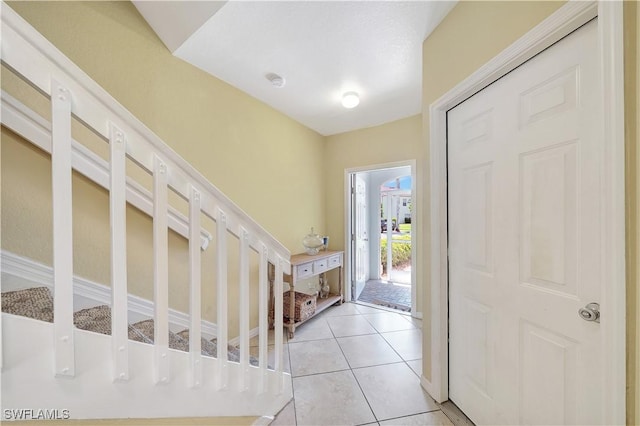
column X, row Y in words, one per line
column 138, row 336
column 98, row 320
column 36, row 303
column 208, row 347
column 146, row 327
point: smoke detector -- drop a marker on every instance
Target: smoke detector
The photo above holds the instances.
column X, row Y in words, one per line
column 276, row 80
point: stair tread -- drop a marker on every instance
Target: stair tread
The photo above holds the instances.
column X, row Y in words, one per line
column 209, row 347
column 98, row 320
column 37, row 303
column 146, row 327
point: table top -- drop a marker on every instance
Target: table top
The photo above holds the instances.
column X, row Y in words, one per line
column 300, row 258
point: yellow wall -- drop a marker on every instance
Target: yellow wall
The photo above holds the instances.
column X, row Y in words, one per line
column 396, row 141
column 257, row 156
column 268, row 164
column 632, row 214
column 636, row 260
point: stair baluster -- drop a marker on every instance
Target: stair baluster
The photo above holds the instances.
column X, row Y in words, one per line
column 222, row 299
column 277, row 289
column 160, row 271
column 243, row 310
column 195, row 285
column 118, row 219
column 62, row 229
column 263, row 325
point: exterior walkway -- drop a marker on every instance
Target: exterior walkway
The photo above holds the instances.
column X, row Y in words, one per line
column 391, row 295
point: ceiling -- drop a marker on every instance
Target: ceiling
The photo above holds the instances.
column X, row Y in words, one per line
column 321, row 48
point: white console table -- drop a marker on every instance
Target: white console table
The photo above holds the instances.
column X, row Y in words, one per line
column 307, row 266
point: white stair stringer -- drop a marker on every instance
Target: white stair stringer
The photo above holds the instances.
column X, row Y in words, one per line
column 27, row 381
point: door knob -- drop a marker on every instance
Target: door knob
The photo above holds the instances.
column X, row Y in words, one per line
column 591, row 312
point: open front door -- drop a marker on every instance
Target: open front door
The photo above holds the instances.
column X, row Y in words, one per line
column 360, row 236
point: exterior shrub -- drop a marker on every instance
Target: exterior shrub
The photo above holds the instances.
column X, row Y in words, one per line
column 400, row 251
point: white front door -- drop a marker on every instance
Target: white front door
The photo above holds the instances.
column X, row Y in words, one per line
column 525, row 160
column 361, row 235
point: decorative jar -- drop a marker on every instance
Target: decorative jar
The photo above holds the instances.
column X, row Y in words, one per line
column 312, row 243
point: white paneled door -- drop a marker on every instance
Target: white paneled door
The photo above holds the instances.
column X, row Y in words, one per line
column 361, row 235
column 525, row 160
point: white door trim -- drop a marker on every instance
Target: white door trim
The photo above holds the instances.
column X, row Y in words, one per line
column 348, row 231
column 565, row 20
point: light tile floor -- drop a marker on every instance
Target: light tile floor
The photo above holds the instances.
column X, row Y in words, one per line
column 357, row 365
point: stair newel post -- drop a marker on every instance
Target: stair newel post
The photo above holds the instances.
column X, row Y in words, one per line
column 263, row 325
column 244, row 309
column 222, row 300
column 160, row 271
column 61, row 172
column 195, row 349
column 278, row 320
column 118, row 219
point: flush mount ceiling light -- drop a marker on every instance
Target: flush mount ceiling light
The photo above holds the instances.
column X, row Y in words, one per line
column 275, row 79
column 350, row 100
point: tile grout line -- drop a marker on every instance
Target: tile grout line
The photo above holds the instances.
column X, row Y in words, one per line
column 416, row 414
column 356, row 378
column 320, row 373
column 350, row 367
column 293, row 391
column 402, row 361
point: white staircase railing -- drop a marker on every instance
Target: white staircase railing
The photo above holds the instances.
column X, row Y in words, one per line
column 174, row 384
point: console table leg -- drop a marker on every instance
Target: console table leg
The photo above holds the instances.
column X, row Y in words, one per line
column 340, row 286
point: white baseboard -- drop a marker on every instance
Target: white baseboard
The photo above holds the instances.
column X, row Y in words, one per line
column 20, row 273
column 426, row 385
column 431, row 390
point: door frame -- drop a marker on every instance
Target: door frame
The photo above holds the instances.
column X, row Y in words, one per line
column 565, row 20
column 348, row 230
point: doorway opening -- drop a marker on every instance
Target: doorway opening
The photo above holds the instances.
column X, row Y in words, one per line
column 381, row 225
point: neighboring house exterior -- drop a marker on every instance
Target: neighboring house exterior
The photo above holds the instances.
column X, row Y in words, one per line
column 260, row 158
column 400, row 205
column 400, row 192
